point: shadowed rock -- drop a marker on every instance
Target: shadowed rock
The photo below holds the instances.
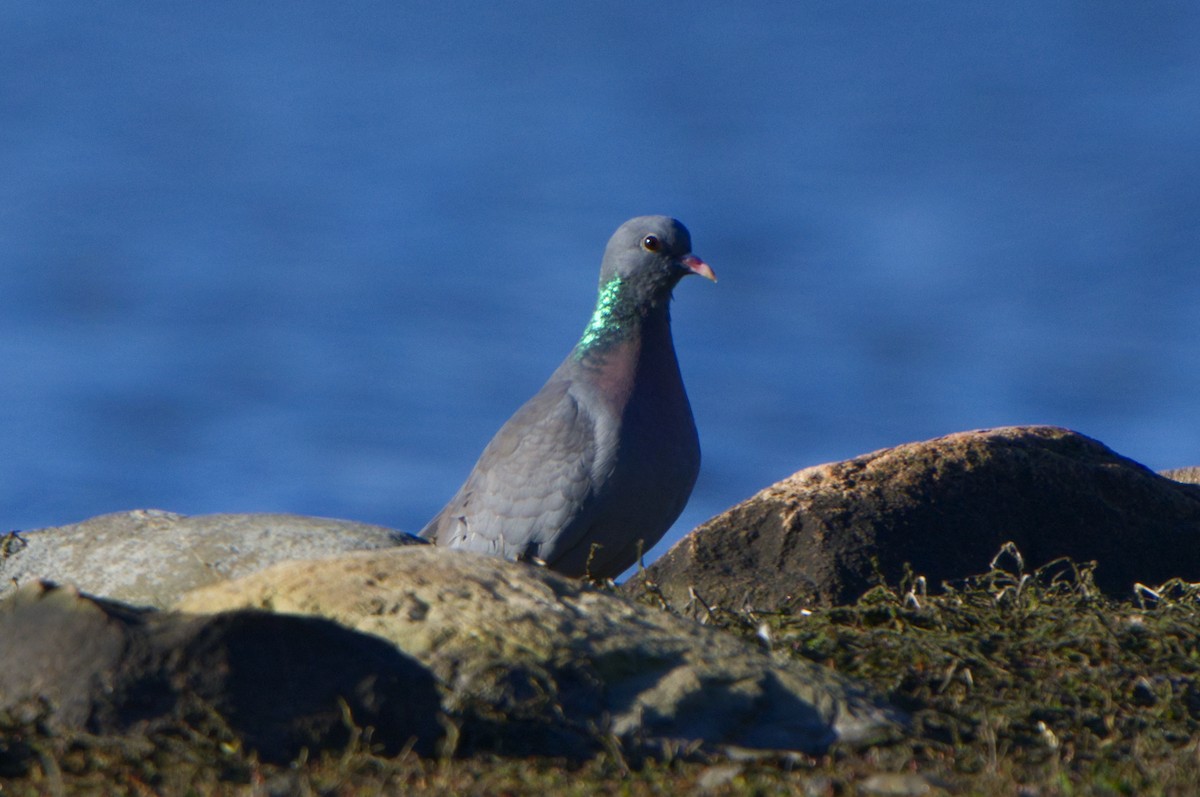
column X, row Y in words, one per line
column 535, row 663
column 945, row 506
column 150, row 557
column 279, row 683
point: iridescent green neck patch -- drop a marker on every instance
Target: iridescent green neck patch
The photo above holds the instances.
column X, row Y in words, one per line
column 606, row 320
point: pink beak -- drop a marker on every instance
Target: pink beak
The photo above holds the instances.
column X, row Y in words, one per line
column 698, row 266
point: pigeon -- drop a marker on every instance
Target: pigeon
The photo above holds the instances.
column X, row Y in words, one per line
column 591, row 472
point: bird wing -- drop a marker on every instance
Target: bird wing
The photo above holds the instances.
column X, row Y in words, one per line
column 533, row 482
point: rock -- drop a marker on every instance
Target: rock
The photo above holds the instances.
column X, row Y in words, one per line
column 535, row 663
column 150, row 557
column 946, row 506
column 1187, row 475
column 279, row 683
column 898, row 784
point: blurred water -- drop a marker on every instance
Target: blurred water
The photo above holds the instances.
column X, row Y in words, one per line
column 307, row 257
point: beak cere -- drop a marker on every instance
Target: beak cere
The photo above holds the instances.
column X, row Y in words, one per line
column 697, row 266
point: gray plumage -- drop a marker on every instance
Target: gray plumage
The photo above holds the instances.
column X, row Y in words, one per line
column 600, row 462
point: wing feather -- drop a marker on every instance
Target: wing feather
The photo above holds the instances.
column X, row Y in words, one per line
column 532, row 481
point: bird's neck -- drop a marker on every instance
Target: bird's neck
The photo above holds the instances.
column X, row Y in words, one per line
column 620, row 316
column 627, row 343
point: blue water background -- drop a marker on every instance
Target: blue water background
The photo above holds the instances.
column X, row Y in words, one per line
column 307, row 257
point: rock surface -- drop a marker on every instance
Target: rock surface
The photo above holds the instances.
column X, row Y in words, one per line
column 532, row 662
column 1188, row 475
column 278, row 683
column 945, row 506
column 150, row 557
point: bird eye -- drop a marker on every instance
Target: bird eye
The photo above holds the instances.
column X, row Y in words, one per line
column 651, row 243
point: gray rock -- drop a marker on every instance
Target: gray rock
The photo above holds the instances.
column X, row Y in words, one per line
column 897, row 784
column 151, row 557
column 533, row 662
column 278, row 683
column 945, row 506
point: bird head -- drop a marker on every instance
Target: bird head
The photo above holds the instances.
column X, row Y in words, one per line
column 651, row 253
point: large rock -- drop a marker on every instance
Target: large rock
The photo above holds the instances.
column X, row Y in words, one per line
column 278, row 683
column 150, row 557
column 946, row 506
column 532, row 662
